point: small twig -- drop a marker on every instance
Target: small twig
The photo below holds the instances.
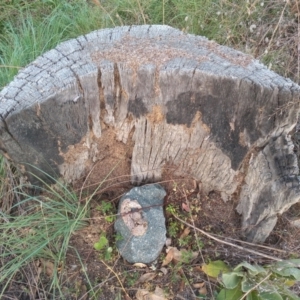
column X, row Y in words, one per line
column 257, row 285
column 256, row 245
column 188, row 283
column 13, row 67
column 108, row 267
column 163, row 12
column 142, row 13
column 85, row 180
column 99, row 285
column 200, row 251
column 97, row 3
column 276, row 28
column 227, row 243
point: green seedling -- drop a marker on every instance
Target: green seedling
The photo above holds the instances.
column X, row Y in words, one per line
column 131, row 278
column 185, row 241
column 171, row 209
column 102, row 243
column 173, row 229
column 108, row 210
column 103, row 247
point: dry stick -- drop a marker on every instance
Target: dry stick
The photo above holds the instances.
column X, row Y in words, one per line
column 257, row 245
column 116, row 184
column 97, row 2
column 85, row 180
column 197, row 240
column 115, row 263
column 139, row 173
column 108, row 267
column 96, row 286
column 257, row 285
column 186, row 280
column 163, row 12
column 13, row 67
column 142, row 13
column 276, row 28
column 227, row 243
column 99, row 285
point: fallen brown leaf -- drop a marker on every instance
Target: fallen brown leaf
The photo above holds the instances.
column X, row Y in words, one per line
column 203, row 291
column 180, row 255
column 140, row 265
column 185, row 232
column 181, row 285
column 185, row 207
column 143, row 294
column 198, row 285
column 146, row 277
column 177, row 255
column 164, row 270
column 169, row 257
column 48, row 267
column 197, row 269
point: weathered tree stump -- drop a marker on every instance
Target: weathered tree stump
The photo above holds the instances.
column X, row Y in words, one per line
column 157, row 96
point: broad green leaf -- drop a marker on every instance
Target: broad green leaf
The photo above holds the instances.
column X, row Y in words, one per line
column 274, row 295
column 288, row 295
column 248, row 284
column 109, row 219
column 232, row 279
column 289, row 282
column 253, row 296
column 215, row 268
column 108, row 253
column 288, row 272
column 289, row 263
column 103, row 241
column 234, row 294
column 253, row 269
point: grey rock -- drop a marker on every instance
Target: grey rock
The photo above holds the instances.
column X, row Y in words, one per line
column 141, row 223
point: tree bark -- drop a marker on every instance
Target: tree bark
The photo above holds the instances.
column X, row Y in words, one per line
column 154, row 96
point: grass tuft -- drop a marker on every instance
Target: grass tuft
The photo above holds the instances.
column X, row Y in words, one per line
column 43, row 230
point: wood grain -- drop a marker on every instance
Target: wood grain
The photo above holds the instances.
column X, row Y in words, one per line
column 171, row 98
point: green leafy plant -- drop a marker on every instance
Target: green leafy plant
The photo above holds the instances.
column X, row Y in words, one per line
column 185, row 241
column 108, row 210
column 173, row 229
column 171, row 209
column 254, row 282
column 102, row 243
column 103, row 247
column 131, row 278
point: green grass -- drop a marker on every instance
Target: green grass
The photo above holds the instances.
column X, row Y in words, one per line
column 29, row 28
column 34, row 30
column 42, row 230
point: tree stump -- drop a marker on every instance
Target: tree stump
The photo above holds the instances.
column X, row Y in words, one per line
column 149, row 96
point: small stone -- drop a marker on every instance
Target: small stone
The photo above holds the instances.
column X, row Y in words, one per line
column 141, row 223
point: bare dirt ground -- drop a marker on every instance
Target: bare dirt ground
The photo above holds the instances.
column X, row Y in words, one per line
column 114, row 278
column 91, row 274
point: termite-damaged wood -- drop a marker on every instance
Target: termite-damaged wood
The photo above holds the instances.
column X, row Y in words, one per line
column 163, row 97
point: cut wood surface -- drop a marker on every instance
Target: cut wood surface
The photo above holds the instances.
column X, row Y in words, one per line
column 152, row 96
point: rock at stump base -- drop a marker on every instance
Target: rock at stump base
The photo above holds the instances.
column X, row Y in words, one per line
column 141, row 223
